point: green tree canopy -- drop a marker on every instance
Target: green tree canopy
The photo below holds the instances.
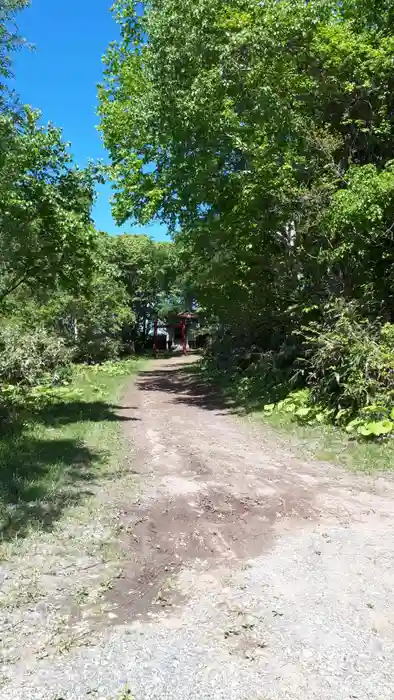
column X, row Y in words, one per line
column 10, row 41
column 246, row 125
column 149, row 270
column 46, row 232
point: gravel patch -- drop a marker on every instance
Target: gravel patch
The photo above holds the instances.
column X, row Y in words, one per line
column 249, row 573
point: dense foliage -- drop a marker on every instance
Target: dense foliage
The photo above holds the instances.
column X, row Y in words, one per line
column 262, row 133
column 148, row 272
column 10, row 41
column 104, row 317
column 68, row 293
column 46, row 233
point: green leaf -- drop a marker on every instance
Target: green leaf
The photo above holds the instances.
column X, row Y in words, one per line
column 383, row 427
column 376, row 428
column 341, row 413
column 321, row 417
column 353, row 424
column 303, row 412
column 364, row 430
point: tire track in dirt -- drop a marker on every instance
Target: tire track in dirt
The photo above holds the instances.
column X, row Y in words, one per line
column 215, row 490
column 249, row 573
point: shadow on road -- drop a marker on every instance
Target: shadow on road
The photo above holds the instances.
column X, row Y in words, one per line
column 186, row 385
column 45, row 465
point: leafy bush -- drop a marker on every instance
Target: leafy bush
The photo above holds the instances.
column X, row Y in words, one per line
column 94, row 346
column 348, row 369
column 93, row 324
column 374, row 421
column 349, row 361
column 29, row 359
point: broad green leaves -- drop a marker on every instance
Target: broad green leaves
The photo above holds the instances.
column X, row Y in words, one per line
column 300, row 407
column 10, row 41
column 153, row 278
column 46, row 234
column 238, row 122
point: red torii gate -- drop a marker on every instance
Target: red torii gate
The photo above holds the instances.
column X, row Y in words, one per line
column 183, row 325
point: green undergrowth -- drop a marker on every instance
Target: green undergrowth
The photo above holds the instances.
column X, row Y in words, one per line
column 55, row 442
column 362, row 443
column 326, row 437
column 329, row 380
column 372, row 422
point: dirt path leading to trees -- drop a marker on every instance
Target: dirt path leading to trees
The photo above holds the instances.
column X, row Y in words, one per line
column 251, row 574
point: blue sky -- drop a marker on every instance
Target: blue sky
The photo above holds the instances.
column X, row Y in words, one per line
column 60, row 77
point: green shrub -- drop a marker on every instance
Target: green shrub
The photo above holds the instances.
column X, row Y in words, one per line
column 32, row 358
column 94, row 346
column 349, row 361
column 348, row 370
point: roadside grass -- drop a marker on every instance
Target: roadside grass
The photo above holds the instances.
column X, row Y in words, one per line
column 328, row 443
column 320, row 442
column 56, row 448
column 66, row 479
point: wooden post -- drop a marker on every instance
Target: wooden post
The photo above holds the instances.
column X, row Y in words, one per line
column 184, row 337
column 155, row 336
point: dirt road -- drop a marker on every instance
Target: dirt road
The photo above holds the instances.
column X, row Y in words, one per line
column 252, row 575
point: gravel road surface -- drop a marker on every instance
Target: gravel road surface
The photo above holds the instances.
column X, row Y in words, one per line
column 251, row 574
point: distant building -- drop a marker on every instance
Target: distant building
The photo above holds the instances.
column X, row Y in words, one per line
column 181, row 330
column 178, row 331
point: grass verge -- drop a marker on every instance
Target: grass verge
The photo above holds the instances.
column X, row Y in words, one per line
column 320, row 442
column 331, row 444
column 55, row 449
column 65, row 479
